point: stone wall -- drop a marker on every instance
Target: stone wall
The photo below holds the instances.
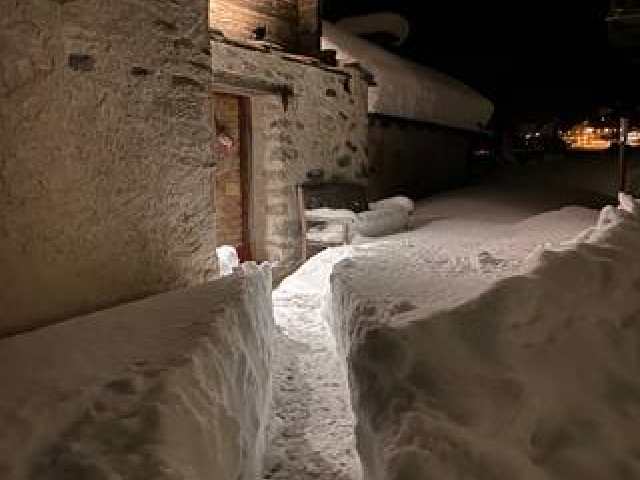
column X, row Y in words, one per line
column 238, row 18
column 228, row 170
column 415, row 158
column 293, row 24
column 105, row 160
column 321, row 128
column 309, row 26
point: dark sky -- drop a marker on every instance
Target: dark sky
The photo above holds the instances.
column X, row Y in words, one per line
column 543, row 59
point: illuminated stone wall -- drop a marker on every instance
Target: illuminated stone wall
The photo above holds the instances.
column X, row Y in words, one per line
column 321, row 129
column 105, row 159
column 293, row 24
column 309, row 26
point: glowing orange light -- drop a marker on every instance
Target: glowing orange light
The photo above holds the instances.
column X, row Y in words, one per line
column 585, row 137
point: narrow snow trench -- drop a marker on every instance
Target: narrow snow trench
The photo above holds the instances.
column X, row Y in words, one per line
column 312, row 431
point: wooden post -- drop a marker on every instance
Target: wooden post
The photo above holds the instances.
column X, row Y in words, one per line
column 246, row 177
column 303, row 220
column 623, row 164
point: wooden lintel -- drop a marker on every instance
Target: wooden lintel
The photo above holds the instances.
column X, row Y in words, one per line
column 250, row 85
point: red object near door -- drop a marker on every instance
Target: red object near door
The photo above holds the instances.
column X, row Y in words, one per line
column 244, row 252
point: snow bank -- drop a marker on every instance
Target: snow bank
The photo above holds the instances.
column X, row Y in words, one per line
column 398, row 201
column 385, row 221
column 227, row 259
column 176, row 386
column 472, row 367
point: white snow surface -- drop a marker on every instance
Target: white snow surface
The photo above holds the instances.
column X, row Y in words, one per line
column 176, row 386
column 498, row 360
column 312, row 433
column 332, row 213
column 461, row 244
column 227, row 259
column 381, row 222
column 397, row 201
column 330, row 232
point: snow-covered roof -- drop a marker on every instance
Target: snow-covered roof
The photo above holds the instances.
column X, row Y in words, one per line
column 408, row 90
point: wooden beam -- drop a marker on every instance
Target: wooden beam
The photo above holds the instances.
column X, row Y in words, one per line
column 251, row 85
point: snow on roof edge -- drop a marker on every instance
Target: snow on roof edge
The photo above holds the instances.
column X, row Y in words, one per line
column 409, row 90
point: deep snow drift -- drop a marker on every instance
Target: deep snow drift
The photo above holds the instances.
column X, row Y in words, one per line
column 485, row 231
column 482, row 362
column 176, row 386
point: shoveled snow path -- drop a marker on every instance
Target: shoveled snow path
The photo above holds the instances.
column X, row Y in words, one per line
column 312, row 435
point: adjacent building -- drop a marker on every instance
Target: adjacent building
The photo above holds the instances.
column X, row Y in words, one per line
column 421, row 122
column 282, row 116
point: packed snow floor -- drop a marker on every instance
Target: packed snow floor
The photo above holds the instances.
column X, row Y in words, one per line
column 483, row 232
column 312, row 434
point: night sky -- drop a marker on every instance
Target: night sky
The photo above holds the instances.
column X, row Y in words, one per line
column 543, row 60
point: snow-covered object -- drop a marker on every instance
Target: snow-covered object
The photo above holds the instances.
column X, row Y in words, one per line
column 386, row 221
column 407, row 90
column 173, row 387
column 486, row 369
column 227, row 259
column 399, row 201
column 330, row 232
column 331, row 213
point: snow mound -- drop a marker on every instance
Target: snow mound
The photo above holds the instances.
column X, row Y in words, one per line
column 399, row 201
column 479, row 367
column 378, row 223
column 329, row 232
column 332, row 213
column 175, row 386
column 227, row 259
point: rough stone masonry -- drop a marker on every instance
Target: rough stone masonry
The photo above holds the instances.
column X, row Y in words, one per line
column 105, row 162
column 319, row 130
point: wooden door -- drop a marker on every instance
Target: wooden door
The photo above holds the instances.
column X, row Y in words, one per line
column 232, row 173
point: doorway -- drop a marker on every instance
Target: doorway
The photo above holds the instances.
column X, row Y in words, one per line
column 232, row 179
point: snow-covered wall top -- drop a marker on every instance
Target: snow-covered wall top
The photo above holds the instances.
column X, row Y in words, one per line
column 408, row 90
column 172, row 387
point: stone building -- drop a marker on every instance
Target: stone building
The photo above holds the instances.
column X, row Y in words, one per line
column 282, row 115
column 137, row 138
column 293, row 25
column 421, row 122
column 107, row 114
column 105, row 160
